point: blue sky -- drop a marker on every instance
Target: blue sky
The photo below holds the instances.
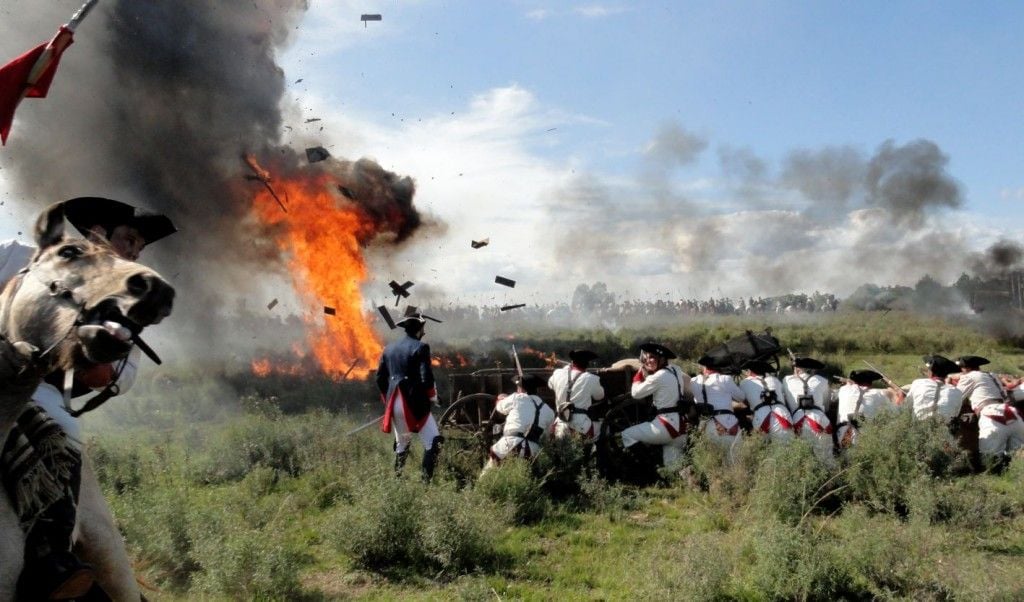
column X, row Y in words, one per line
column 771, row 77
column 653, row 145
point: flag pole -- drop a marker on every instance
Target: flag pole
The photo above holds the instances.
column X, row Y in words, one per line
column 80, row 14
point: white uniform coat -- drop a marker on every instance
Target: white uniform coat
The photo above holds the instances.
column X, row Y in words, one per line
column 719, row 390
column 934, row 397
column 872, row 403
column 665, row 387
column 586, row 389
column 1000, row 426
column 810, row 424
column 520, row 411
column 773, row 420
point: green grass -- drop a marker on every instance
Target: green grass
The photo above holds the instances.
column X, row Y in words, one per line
column 250, row 501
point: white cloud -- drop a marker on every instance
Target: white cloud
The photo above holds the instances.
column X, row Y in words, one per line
column 538, row 14
column 598, row 11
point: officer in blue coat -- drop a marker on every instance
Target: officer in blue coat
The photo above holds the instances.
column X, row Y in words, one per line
column 406, row 383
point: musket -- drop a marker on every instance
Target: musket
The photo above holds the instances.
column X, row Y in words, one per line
column 888, row 381
column 519, row 367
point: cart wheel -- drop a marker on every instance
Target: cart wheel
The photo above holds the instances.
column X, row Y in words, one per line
column 638, row 464
column 466, row 427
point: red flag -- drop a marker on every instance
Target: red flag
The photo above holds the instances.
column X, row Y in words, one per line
column 29, row 75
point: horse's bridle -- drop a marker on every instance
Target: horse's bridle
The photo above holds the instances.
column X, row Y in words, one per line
column 57, row 289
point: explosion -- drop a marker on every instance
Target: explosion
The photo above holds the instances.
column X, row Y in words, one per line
column 321, row 221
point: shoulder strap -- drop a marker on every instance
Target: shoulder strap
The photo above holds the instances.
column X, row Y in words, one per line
column 935, row 400
column 570, row 382
column 999, row 385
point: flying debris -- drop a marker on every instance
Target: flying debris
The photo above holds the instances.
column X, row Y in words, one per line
column 261, row 175
column 348, row 194
column 330, row 311
column 366, row 18
column 505, row 281
column 516, row 306
column 400, row 290
column 316, row 153
column 312, row 119
column 476, row 244
column 387, row 316
column 298, row 81
column 272, row 305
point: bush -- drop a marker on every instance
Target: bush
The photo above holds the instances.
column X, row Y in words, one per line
column 513, row 486
column 242, row 562
column 791, row 482
column 893, row 451
column 402, row 527
column 561, row 467
column 792, row 563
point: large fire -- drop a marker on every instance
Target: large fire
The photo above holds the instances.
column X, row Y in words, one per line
column 322, row 236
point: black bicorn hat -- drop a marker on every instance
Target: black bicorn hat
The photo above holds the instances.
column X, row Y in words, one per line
column 84, row 212
column 714, row 362
column 529, row 382
column 659, row 350
column 864, row 377
column 758, row 366
column 582, row 357
column 971, row 361
column 940, row 365
column 809, row 363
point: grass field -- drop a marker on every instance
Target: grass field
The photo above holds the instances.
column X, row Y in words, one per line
column 222, row 495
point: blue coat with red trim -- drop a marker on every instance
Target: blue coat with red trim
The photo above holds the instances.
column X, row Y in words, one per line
column 404, row 376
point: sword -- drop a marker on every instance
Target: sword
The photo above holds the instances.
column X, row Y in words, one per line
column 363, row 427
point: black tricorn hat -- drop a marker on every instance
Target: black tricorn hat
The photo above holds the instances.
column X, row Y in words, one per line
column 659, row 350
column 581, row 357
column 758, row 366
column 84, row 212
column 939, row 365
column 864, row 377
column 971, row 361
column 808, row 363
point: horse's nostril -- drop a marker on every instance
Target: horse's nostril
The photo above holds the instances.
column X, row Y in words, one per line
column 138, row 285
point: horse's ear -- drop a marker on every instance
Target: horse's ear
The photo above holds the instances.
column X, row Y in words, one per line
column 50, row 226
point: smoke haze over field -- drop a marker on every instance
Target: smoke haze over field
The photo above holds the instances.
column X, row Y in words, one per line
column 157, row 101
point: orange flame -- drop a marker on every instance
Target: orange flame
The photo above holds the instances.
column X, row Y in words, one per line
column 321, row 236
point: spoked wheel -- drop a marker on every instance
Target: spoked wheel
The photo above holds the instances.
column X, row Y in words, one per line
column 638, row 464
column 466, row 427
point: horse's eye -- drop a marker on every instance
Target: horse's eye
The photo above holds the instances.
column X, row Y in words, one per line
column 70, row 252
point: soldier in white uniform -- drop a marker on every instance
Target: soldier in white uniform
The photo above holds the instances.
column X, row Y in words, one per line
column 807, row 394
column 575, row 391
column 766, row 398
column 933, row 396
column 714, row 394
column 665, row 385
column 50, row 567
column 857, row 401
column 1000, row 427
column 526, row 418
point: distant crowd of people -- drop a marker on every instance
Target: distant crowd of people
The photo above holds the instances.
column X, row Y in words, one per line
column 625, row 311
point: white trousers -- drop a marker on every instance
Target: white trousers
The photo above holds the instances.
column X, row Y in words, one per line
column 402, row 435
column 49, row 398
column 1000, row 429
column 580, row 423
column 815, row 427
column 774, row 422
column 656, row 432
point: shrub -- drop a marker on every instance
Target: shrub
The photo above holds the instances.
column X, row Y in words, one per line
column 513, row 486
column 561, row 467
column 791, row 563
column 402, row 527
column 791, row 482
column 893, row 451
column 243, row 562
column 156, row 523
